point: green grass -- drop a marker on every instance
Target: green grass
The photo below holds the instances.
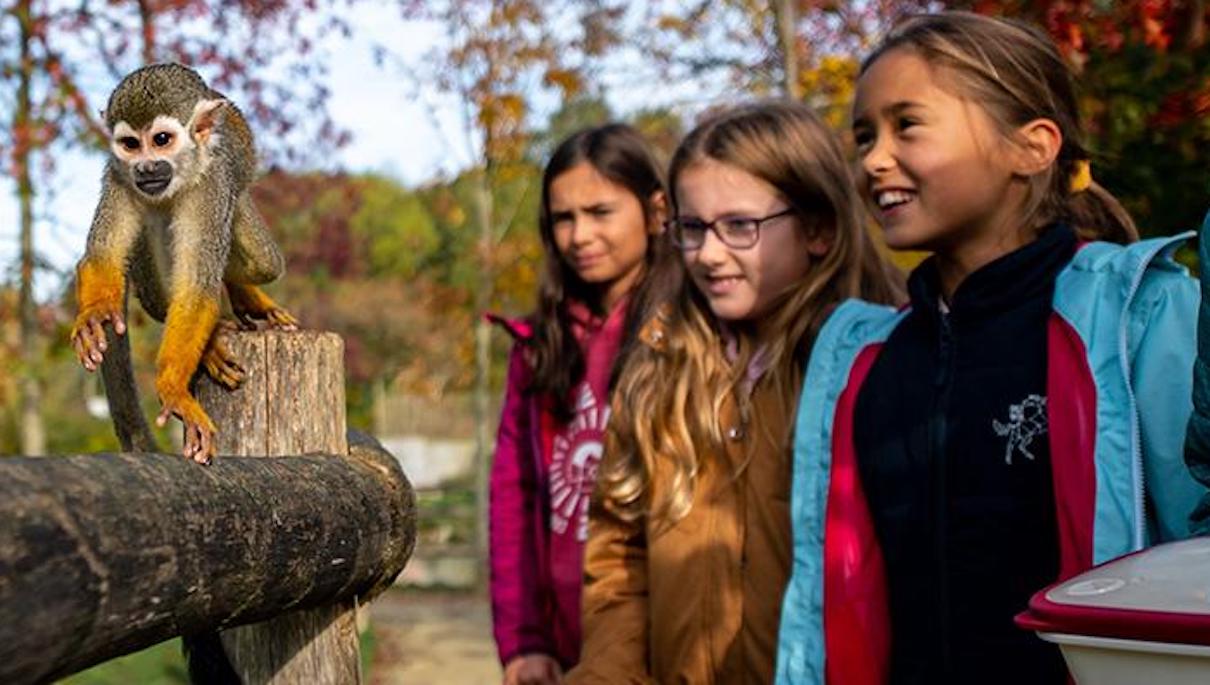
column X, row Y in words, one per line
column 164, row 664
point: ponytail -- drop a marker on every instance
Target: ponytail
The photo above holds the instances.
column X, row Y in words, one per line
column 1094, row 212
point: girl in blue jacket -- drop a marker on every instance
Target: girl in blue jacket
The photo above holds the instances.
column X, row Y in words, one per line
column 1024, row 418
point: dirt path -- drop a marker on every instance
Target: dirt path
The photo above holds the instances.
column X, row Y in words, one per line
column 429, row 637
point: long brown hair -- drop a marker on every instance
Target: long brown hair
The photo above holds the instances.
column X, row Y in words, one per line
column 620, row 154
column 667, row 401
column 1015, row 73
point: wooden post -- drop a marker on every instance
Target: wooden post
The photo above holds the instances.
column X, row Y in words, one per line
column 292, row 402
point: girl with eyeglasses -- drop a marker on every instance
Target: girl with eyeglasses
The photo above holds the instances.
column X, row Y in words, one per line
column 602, row 208
column 690, row 545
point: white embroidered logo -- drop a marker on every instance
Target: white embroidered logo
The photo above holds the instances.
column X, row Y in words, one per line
column 576, row 454
column 1026, row 421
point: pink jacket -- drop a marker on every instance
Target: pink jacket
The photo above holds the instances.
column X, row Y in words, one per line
column 542, row 476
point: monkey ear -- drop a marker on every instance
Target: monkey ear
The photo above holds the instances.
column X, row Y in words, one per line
column 206, row 115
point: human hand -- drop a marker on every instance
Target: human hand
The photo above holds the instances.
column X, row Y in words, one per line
column 532, row 669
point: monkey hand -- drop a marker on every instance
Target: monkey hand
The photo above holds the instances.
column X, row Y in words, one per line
column 281, row 319
column 217, row 359
column 250, row 304
column 88, row 332
column 199, row 429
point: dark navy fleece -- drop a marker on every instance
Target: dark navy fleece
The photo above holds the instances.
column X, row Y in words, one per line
column 953, row 452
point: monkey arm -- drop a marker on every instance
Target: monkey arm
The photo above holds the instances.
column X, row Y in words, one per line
column 101, row 274
column 250, row 304
column 192, row 317
column 201, row 242
column 255, row 257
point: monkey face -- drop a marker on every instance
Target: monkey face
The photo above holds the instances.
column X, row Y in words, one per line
column 153, row 156
column 167, row 155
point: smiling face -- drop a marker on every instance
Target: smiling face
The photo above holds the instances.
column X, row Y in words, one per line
column 741, row 284
column 935, row 171
column 599, row 229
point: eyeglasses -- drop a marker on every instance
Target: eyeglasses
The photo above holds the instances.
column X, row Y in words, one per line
column 740, row 233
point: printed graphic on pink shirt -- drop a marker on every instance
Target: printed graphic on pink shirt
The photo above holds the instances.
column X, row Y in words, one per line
column 576, row 453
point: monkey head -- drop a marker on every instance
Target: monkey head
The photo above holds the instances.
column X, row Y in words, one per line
column 162, row 121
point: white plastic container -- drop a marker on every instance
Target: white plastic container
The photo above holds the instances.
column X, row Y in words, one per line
column 1141, row 619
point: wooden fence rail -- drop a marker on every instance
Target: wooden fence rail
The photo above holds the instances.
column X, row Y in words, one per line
column 106, row 554
column 103, row 555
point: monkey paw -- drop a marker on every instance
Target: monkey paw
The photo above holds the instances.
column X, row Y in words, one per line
column 274, row 317
column 217, row 359
column 250, row 304
column 88, row 333
column 281, row 319
column 199, row 429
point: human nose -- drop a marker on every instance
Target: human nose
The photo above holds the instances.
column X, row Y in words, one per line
column 879, row 157
column 581, row 230
column 712, row 249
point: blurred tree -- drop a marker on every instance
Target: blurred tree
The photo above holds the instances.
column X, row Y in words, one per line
column 498, row 57
column 579, row 113
column 1143, row 70
column 788, row 47
column 261, row 52
column 662, row 127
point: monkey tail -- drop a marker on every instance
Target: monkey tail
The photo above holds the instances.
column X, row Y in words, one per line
column 125, row 410
column 207, row 660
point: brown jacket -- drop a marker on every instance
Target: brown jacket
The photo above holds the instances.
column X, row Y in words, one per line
column 698, row 602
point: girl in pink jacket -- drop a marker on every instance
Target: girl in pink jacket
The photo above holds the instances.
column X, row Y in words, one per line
column 602, row 208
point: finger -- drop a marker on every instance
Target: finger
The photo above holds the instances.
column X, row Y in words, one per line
column 206, row 447
column 84, row 335
column 81, row 353
column 88, row 349
column 191, row 441
column 162, row 419
column 119, row 323
column 77, row 347
column 97, row 326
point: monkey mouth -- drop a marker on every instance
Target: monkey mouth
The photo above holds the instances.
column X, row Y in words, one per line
column 153, row 186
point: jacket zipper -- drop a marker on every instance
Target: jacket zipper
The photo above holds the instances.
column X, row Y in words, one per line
column 1136, row 438
column 942, row 382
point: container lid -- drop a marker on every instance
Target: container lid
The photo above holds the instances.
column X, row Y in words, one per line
column 1160, row 594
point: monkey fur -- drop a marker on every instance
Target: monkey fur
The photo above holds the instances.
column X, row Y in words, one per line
column 175, row 222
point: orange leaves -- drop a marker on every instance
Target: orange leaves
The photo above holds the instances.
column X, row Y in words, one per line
column 566, row 80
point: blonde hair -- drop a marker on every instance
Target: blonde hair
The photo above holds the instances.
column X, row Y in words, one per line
column 668, row 397
column 1015, row 73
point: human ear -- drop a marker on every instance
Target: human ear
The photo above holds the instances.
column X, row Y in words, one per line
column 1039, row 143
column 819, row 240
column 659, row 212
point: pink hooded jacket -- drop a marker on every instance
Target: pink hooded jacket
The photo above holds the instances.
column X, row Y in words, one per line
column 541, row 481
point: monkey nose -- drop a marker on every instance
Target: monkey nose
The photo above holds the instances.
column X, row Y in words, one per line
column 152, row 177
column 153, row 169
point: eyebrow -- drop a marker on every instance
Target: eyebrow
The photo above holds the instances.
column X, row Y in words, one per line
column 893, row 109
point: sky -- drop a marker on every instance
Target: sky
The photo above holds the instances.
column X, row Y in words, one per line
column 410, row 136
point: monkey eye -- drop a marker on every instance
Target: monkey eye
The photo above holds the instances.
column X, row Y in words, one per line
column 129, row 142
column 162, row 138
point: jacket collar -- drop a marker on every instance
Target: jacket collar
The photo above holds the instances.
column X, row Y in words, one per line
column 1021, row 275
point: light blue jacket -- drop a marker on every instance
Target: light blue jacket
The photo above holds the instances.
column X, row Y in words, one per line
column 1132, row 311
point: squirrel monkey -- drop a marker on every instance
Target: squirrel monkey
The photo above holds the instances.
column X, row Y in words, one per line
column 176, row 220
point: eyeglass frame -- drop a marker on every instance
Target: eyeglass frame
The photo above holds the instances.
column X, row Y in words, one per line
column 671, row 226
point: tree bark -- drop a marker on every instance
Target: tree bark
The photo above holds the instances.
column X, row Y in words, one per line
column 103, row 555
column 785, row 16
column 483, row 357
column 33, row 435
column 292, row 402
